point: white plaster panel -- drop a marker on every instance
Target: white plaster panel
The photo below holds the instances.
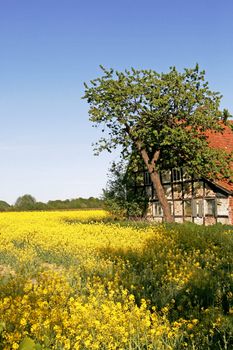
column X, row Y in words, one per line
column 179, row 220
column 198, row 221
column 178, row 208
column 224, row 221
column 188, row 218
column 222, row 206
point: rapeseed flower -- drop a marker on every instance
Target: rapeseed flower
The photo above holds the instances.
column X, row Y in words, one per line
column 62, row 283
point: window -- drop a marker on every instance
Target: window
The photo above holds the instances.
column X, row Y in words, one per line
column 147, row 180
column 210, row 207
column 197, row 208
column 176, row 175
column 158, row 211
column 188, row 208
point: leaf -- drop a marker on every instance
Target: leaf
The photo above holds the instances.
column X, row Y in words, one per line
column 28, row 344
column 2, row 326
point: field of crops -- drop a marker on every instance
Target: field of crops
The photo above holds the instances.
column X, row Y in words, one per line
column 77, row 280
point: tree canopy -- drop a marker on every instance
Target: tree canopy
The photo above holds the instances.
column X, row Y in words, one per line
column 160, row 118
column 25, row 202
column 4, row 206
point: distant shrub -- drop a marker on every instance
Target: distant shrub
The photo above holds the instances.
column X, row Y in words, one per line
column 4, row 206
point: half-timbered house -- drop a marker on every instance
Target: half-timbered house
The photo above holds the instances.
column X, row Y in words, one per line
column 191, row 199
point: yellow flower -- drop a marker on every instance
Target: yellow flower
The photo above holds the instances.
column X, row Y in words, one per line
column 70, row 294
column 23, row 322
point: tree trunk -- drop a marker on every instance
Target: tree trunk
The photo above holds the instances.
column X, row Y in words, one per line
column 155, row 178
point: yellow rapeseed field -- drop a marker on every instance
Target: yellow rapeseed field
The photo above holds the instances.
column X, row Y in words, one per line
column 59, row 291
column 61, row 284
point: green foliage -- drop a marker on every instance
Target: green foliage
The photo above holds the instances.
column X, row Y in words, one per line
column 25, row 202
column 167, row 113
column 76, row 203
column 120, row 197
column 28, row 202
column 28, row 344
column 4, row 206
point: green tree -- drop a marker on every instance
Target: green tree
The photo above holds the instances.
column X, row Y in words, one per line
column 4, row 206
column 25, row 202
column 120, row 196
column 161, row 117
column 40, row 206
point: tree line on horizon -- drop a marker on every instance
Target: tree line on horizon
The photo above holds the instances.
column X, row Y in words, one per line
column 28, row 203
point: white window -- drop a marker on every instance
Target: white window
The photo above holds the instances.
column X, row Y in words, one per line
column 157, row 209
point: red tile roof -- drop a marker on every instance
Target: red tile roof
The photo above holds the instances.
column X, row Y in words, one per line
column 223, row 140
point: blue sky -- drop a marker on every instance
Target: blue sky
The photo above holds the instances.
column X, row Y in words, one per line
column 48, row 48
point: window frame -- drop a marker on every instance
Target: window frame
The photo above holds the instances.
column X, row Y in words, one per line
column 213, row 211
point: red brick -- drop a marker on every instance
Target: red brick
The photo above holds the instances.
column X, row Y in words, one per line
column 231, row 210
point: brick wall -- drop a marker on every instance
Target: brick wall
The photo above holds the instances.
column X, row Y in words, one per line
column 231, row 210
